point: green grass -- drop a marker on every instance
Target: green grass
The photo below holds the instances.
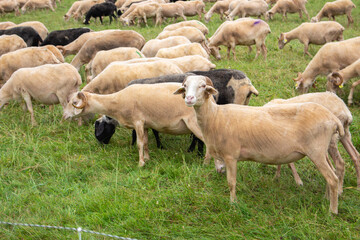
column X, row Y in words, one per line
column 57, row 174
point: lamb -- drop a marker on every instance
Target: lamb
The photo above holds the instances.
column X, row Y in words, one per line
column 335, row 105
column 9, row 6
column 64, row 37
column 241, row 32
column 193, row 8
column 5, row 25
column 103, row 58
column 99, row 10
column 39, row 27
column 9, row 43
column 152, row 46
column 144, row 11
column 315, row 33
column 220, row 8
column 287, row 6
column 331, row 57
column 131, row 108
column 182, row 50
column 25, row 57
column 336, row 80
column 171, row 10
column 190, row 23
column 336, row 8
column 75, row 46
column 287, row 133
column 110, row 40
column 48, row 84
column 30, row 36
column 72, row 10
column 37, row 4
column 117, row 75
column 249, row 8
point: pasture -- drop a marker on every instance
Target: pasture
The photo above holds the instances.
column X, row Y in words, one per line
column 57, row 174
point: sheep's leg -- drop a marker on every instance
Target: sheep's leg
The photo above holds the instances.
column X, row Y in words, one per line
column 27, row 99
column 300, row 14
column 52, row 9
column 110, row 17
column 306, row 48
column 228, row 52
column 144, row 17
column 350, row 97
column 140, row 137
column 146, row 145
column 354, row 154
column 231, row 166
column 306, row 13
column 339, row 163
column 295, row 174
column 183, row 16
column 193, row 143
column 233, row 46
column 264, row 50
column 250, row 49
column 258, row 49
column 278, row 172
column 157, row 138
column 133, row 137
column 350, row 19
column 332, row 180
column 101, row 20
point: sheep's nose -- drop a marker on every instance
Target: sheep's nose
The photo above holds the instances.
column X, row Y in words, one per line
column 189, row 98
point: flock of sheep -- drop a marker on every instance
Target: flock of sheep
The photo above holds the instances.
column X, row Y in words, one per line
column 134, row 82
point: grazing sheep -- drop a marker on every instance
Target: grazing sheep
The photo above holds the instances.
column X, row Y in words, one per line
column 287, row 133
column 313, row 33
column 249, row 8
column 287, row 6
column 84, row 7
column 240, row 32
column 39, row 27
column 331, row 57
column 336, row 8
column 220, row 8
column 99, row 10
column 107, row 41
column 171, row 10
column 193, row 8
column 182, row 50
column 7, row 6
column 9, row 43
column 72, row 10
column 37, row 4
column 5, row 25
column 152, row 46
column 233, row 4
column 144, row 11
column 131, row 108
column 30, row 36
column 336, row 80
column 190, row 23
column 64, row 37
column 48, row 84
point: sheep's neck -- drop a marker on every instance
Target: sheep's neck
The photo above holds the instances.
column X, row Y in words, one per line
column 205, row 113
column 103, row 104
column 293, row 34
column 349, row 72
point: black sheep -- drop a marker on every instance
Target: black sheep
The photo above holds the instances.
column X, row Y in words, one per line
column 64, row 37
column 29, row 34
column 100, row 10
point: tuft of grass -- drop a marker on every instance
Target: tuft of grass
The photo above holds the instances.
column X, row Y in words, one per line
column 57, row 174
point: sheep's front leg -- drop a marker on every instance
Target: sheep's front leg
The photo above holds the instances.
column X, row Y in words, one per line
column 27, row 99
column 339, row 162
column 306, row 48
column 140, row 137
column 144, row 17
column 351, row 94
column 231, row 170
column 350, row 19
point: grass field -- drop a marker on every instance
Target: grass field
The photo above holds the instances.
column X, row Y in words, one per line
column 57, row 173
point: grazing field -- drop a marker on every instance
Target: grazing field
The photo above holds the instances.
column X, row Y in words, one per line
column 58, row 174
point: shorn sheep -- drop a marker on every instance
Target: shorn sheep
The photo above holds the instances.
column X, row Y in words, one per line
column 274, row 135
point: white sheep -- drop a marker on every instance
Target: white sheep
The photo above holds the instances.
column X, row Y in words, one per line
column 190, row 23
column 193, row 8
column 9, row 6
column 9, row 43
column 5, row 25
column 249, row 8
column 287, row 6
column 171, row 10
column 144, row 11
column 220, row 7
column 152, row 46
column 37, row 4
column 182, row 50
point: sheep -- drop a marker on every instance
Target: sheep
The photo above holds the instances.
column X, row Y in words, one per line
column 335, row 105
column 56, row 52
column 37, row 4
column 171, row 10
column 39, row 27
column 128, row 3
column 48, row 84
column 25, row 57
column 241, row 32
column 190, row 23
column 10, row 6
column 75, row 46
column 192, row 33
column 72, row 10
column 336, row 8
column 30, row 36
column 21, row 3
column 117, row 75
column 182, row 50
column 9, row 43
column 331, row 57
column 337, row 79
column 144, row 11
column 4, row 25
column 193, row 8
column 110, row 40
column 233, row 4
column 315, row 33
column 64, row 37
column 131, row 108
column 249, row 8
column 287, row 6
column 99, row 10
column 103, row 58
column 152, row 46
column 84, row 7
column 287, row 133
column 220, row 8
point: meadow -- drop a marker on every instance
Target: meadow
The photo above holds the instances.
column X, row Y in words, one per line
column 57, row 174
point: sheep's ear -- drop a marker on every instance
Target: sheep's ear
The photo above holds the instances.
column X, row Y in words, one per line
column 338, row 79
column 209, row 82
column 254, row 91
column 299, row 77
column 210, row 90
column 281, row 36
column 180, row 90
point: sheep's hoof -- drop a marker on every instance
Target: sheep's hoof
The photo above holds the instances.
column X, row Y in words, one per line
column 141, row 163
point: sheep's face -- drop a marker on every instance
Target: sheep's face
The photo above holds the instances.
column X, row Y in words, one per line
column 196, row 89
column 241, row 91
column 302, row 84
column 220, row 165
column 215, row 51
column 334, row 82
column 207, row 18
column 268, row 15
column 314, row 20
column 75, row 106
column 282, row 41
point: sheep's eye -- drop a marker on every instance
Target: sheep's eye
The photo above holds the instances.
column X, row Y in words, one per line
column 185, row 85
column 203, row 86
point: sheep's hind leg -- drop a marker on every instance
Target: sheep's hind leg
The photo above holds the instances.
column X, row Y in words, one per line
column 27, row 99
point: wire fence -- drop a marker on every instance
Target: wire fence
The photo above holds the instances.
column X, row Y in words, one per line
column 79, row 230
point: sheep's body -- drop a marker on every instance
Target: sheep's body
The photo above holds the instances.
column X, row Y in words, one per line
column 182, row 50
column 331, row 57
column 5, row 25
column 26, row 57
column 47, row 84
column 9, row 6
column 171, row 10
column 193, row 8
column 39, row 27
column 29, row 34
column 38, row 4
column 220, row 8
column 335, row 105
column 336, row 8
column 72, row 10
column 313, row 33
column 131, row 107
column 276, row 135
column 144, row 11
column 99, row 10
column 9, row 43
column 287, row 6
column 240, row 32
column 107, row 41
column 190, row 23
column 249, row 8
column 152, row 46
column 84, row 7
column 64, row 37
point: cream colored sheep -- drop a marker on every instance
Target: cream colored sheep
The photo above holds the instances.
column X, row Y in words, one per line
column 9, row 43
column 152, row 46
column 182, row 50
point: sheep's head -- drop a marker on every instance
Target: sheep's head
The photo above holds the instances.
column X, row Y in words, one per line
column 196, row 89
column 76, row 105
column 334, row 82
column 302, row 84
column 215, row 51
column 207, row 18
column 220, row 165
column 241, row 91
column 268, row 15
column 314, row 20
column 282, row 41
